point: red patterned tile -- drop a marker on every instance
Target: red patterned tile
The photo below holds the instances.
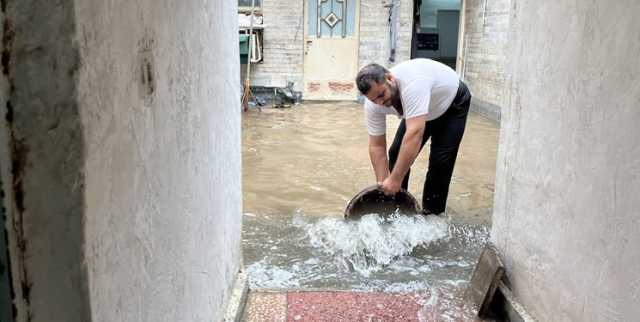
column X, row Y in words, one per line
column 353, row 306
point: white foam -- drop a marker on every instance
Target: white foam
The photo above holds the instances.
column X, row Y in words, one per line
column 409, row 287
column 263, row 275
column 371, row 243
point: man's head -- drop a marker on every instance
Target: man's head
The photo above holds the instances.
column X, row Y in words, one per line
column 377, row 84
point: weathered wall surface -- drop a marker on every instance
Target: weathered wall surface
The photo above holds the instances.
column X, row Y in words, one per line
column 163, row 168
column 568, row 178
column 121, row 164
column 42, row 168
column 484, row 53
column 283, row 45
column 7, row 208
column 374, row 32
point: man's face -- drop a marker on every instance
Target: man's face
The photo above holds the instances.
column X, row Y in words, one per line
column 383, row 93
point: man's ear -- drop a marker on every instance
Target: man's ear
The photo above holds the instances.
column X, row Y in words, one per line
column 388, row 77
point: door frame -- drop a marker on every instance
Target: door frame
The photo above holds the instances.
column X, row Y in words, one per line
column 460, row 59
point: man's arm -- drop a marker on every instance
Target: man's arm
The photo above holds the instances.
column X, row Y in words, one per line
column 378, row 156
column 408, row 152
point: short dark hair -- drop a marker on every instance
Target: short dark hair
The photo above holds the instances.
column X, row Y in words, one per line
column 370, row 73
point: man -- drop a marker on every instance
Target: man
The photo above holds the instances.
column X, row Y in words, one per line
column 433, row 103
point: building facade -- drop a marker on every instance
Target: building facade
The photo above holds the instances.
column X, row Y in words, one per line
column 322, row 62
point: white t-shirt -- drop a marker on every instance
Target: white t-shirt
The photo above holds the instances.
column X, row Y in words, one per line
column 426, row 87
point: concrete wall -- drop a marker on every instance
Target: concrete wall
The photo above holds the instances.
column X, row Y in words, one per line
column 123, row 168
column 42, row 169
column 566, row 204
column 6, row 195
column 486, row 27
column 374, row 32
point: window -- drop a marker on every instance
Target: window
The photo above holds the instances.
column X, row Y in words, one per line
column 245, row 5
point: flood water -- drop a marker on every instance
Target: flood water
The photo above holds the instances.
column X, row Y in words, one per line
column 302, row 165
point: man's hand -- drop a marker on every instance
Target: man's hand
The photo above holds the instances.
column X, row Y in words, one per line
column 390, row 186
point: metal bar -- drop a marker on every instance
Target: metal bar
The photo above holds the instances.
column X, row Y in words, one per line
column 253, row 5
column 318, row 14
column 344, row 18
column 333, row 13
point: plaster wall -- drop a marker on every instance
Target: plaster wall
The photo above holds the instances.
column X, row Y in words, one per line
column 374, row 32
column 568, row 177
column 121, row 170
column 6, row 210
column 163, row 168
column 42, row 161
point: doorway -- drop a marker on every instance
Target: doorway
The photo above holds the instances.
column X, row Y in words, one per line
column 435, row 30
column 331, row 49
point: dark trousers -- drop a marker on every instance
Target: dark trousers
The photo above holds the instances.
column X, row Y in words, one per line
column 446, row 134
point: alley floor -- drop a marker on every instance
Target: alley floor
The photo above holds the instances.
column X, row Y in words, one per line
column 301, row 165
column 332, row 306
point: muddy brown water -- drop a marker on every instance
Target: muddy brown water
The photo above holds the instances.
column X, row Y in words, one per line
column 313, row 158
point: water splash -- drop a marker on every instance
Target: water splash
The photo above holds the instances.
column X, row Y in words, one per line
column 405, row 255
column 264, row 275
column 372, row 243
column 446, row 303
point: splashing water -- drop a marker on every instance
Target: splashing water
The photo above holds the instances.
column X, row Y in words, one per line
column 405, row 254
column 372, row 243
column 446, row 303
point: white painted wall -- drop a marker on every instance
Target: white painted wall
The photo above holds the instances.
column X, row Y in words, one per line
column 568, row 179
column 163, row 169
column 122, row 171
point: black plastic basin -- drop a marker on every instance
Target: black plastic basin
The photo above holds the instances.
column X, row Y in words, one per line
column 373, row 200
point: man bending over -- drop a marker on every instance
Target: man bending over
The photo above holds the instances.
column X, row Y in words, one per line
column 433, row 103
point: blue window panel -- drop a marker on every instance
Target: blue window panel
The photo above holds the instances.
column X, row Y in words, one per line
column 340, row 10
column 312, row 20
column 351, row 17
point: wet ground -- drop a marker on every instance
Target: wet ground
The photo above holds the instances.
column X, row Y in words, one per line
column 334, row 306
column 301, row 166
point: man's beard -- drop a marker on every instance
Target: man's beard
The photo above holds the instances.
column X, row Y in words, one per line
column 393, row 98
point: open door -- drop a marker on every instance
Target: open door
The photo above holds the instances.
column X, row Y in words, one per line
column 331, row 49
column 437, row 30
